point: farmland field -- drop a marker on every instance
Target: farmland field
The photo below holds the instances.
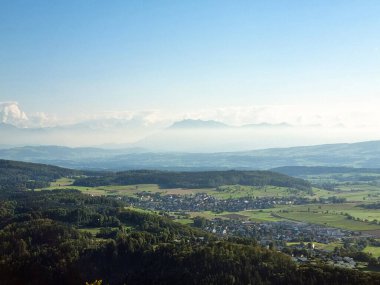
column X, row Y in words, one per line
column 327, row 219
column 123, row 190
column 347, row 215
column 373, row 250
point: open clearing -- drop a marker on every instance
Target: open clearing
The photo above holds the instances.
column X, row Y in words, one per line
column 374, row 250
column 235, row 216
column 330, row 246
column 327, row 219
column 123, row 190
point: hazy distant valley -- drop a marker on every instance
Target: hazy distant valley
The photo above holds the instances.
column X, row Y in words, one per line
column 190, row 135
column 364, row 155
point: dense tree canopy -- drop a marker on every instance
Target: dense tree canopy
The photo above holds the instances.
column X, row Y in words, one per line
column 16, row 175
column 203, row 179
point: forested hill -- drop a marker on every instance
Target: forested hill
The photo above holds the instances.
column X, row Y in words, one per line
column 15, row 175
column 203, row 179
column 363, row 154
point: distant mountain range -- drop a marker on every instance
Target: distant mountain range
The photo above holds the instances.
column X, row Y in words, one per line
column 213, row 136
column 156, row 131
column 185, row 136
column 211, row 124
column 364, row 154
column 194, row 124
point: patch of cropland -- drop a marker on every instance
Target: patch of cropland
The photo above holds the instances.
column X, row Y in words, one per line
column 166, row 179
column 340, row 179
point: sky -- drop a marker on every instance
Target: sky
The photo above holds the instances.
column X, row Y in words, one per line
column 66, row 61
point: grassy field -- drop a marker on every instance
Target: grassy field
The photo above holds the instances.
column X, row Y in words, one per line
column 327, row 215
column 117, row 190
column 140, row 210
column 362, row 196
column 185, row 221
column 352, row 209
column 252, row 215
column 330, row 246
column 352, row 193
column 374, row 250
column 355, row 186
column 64, row 181
column 320, row 193
column 123, row 190
column 239, row 191
column 325, row 218
column 265, row 215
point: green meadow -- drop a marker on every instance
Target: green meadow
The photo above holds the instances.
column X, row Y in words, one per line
column 332, row 215
column 373, row 250
column 326, row 218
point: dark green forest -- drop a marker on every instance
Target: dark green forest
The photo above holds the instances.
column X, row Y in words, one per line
column 16, row 175
column 22, row 176
column 46, row 238
column 203, row 179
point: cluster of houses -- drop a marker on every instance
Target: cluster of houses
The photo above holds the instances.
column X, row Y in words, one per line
column 335, row 260
column 278, row 232
column 296, row 239
column 205, row 202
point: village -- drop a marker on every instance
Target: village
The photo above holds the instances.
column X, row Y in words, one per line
column 305, row 243
column 277, row 232
column 205, row 202
column 299, row 240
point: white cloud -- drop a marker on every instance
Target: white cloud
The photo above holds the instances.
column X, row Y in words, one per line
column 10, row 113
column 341, row 114
column 336, row 122
column 131, row 119
column 335, row 115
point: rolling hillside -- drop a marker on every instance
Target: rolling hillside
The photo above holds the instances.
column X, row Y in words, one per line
column 361, row 155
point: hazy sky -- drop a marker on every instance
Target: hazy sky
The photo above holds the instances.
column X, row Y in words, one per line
column 82, row 58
